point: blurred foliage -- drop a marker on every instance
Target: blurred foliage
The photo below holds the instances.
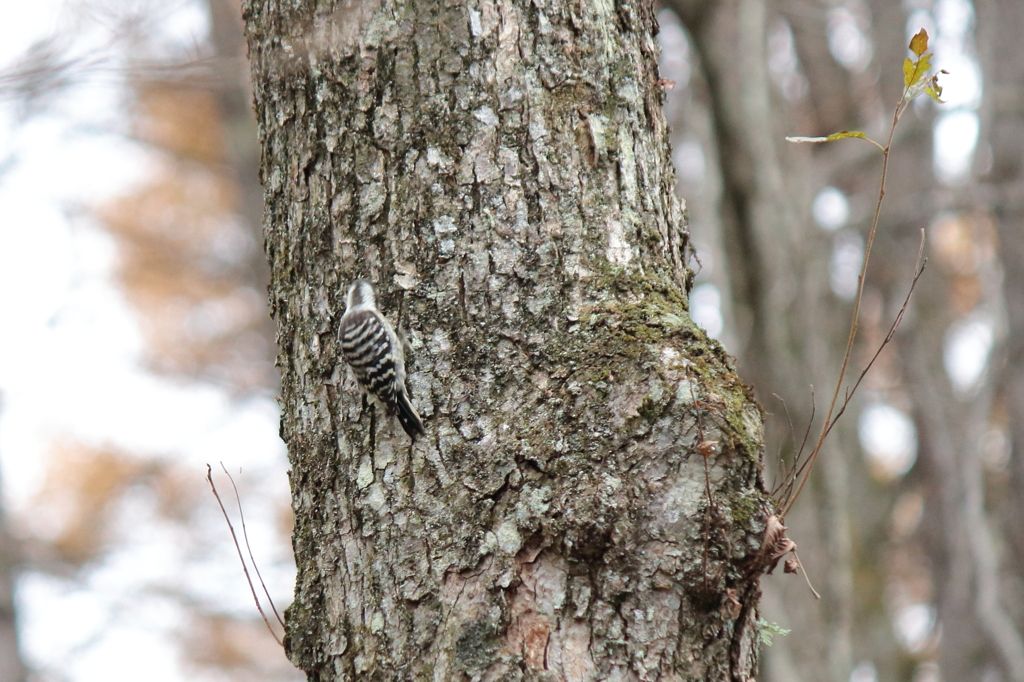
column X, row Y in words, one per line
column 186, row 254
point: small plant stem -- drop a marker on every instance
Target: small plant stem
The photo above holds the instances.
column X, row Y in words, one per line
column 829, row 422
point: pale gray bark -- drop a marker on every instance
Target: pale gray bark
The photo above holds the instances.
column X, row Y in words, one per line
column 502, row 172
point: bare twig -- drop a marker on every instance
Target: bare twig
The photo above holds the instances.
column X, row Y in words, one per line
column 778, row 455
column 238, row 547
column 918, row 271
column 802, row 472
column 807, row 578
column 248, row 547
column 790, row 479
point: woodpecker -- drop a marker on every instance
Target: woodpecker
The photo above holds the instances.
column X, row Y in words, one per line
column 375, row 353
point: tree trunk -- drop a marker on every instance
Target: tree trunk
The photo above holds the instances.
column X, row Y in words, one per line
column 587, row 503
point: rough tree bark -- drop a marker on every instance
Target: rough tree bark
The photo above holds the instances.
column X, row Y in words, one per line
column 587, row 503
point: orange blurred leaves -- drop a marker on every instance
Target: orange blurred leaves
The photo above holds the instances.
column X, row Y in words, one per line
column 189, row 265
column 77, row 505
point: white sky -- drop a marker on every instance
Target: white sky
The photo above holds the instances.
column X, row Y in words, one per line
column 69, row 366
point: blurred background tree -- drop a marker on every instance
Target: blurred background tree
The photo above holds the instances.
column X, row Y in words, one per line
column 911, row 528
column 906, row 528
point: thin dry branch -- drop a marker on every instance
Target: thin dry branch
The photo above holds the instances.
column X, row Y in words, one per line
column 800, row 565
column 790, row 478
column 802, row 470
column 792, row 436
column 248, row 547
column 918, row 271
column 706, row 448
column 238, row 548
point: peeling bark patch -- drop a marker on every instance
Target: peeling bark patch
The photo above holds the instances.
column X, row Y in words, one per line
column 528, row 637
column 535, row 604
column 619, row 251
column 576, row 659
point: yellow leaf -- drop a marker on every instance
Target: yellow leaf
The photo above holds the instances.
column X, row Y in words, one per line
column 908, row 72
column 843, row 134
column 919, row 43
column 924, row 64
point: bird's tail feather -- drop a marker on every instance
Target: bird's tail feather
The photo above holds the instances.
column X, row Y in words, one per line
column 408, row 417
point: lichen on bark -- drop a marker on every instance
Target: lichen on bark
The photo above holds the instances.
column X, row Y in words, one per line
column 502, row 171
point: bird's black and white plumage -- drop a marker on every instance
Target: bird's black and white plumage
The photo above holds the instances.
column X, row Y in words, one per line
column 375, row 353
